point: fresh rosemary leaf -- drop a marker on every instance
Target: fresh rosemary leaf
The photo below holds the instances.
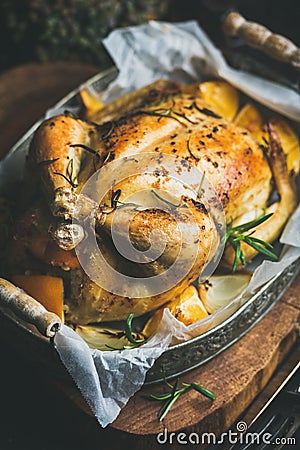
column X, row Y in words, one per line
column 169, row 398
column 238, row 253
column 161, row 115
column 70, row 114
column 47, row 162
column 114, row 200
column 169, row 112
column 253, row 223
column 260, row 248
column 184, row 117
column 107, row 158
column 235, row 235
column 199, row 193
column 70, row 168
column 165, row 200
column 109, row 130
column 166, row 381
column 134, row 343
column 204, row 391
column 166, row 407
column 128, row 331
column 260, row 241
column 85, row 147
column 159, row 396
column 190, row 151
column 206, row 111
column 174, row 389
column 74, row 185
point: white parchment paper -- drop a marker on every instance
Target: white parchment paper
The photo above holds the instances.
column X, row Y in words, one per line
column 143, row 54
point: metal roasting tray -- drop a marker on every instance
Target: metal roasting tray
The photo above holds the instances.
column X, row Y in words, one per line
column 179, row 358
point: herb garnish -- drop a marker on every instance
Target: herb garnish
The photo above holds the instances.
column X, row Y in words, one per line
column 207, row 112
column 87, row 148
column 115, row 198
column 234, row 236
column 168, row 112
column 129, row 334
column 190, row 151
column 110, row 130
column 169, row 398
column 165, row 200
column 90, row 150
column 47, row 162
column 70, row 176
column 116, row 203
column 199, row 193
column 107, row 158
column 70, row 114
column 132, row 337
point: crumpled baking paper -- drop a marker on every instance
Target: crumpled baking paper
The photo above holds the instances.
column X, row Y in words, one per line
column 185, row 53
column 108, row 379
column 143, row 54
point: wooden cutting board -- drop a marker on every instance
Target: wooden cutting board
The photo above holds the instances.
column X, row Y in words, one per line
column 236, row 376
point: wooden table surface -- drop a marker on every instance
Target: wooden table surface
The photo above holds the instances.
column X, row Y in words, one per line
column 36, row 413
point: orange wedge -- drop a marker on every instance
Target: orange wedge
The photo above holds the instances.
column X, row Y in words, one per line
column 289, row 141
column 91, row 103
column 58, row 257
column 45, row 289
column 249, row 118
column 188, row 308
column 223, row 98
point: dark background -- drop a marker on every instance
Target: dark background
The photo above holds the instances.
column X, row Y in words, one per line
column 71, row 30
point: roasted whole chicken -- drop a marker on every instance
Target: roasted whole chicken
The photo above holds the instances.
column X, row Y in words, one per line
column 241, row 155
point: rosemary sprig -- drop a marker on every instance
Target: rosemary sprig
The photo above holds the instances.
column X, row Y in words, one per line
column 111, row 125
column 70, row 114
column 107, row 158
column 160, row 115
column 47, row 162
column 87, row 148
column 115, row 198
column 235, row 235
column 169, row 398
column 74, row 185
column 130, row 335
column 116, row 203
column 69, row 177
column 169, row 112
column 184, row 116
column 190, row 151
column 90, row 150
column 128, row 331
column 165, row 200
column 199, row 193
column 206, row 111
column 70, row 173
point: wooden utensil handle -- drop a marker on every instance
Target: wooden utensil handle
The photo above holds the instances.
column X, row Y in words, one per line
column 259, row 37
column 28, row 309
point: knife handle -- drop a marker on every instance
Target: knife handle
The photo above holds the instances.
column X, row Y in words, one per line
column 258, row 36
column 28, row 309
